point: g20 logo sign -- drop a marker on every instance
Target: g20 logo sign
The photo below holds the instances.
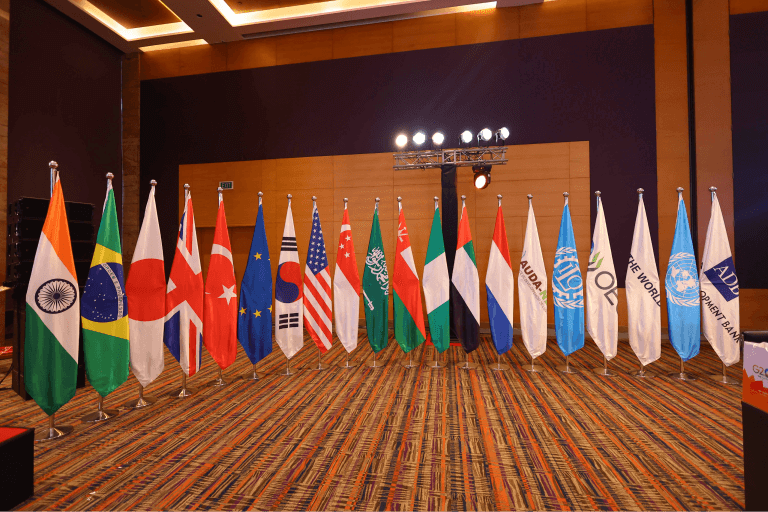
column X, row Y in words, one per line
column 760, row 372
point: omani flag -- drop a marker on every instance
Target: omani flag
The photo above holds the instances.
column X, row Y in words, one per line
column 409, row 317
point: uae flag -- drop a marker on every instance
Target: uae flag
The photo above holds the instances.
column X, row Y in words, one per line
column 465, row 288
column 437, row 286
column 409, row 317
column 346, row 288
column 104, row 308
column 500, row 287
column 53, row 314
column 145, row 289
column 220, row 304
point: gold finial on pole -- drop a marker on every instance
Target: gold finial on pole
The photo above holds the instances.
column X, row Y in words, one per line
column 376, row 207
column 713, row 192
column 261, row 195
column 54, row 168
column 221, row 196
column 498, row 196
column 290, row 196
column 530, row 200
column 153, row 183
column 345, row 202
column 565, row 196
column 436, row 200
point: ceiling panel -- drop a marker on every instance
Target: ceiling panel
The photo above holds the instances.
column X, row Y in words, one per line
column 242, row 6
column 136, row 13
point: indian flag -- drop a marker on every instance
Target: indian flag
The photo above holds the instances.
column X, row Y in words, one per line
column 53, row 314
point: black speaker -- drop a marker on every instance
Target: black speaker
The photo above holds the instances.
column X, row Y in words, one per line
column 25, row 224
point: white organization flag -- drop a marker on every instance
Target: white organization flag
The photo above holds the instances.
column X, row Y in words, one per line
column 643, row 292
column 720, row 290
column 602, row 292
column 532, row 290
column 289, row 320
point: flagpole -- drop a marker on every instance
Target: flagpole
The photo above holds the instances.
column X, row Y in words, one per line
column 347, row 366
column 604, row 371
column 724, row 378
column 409, row 364
column 533, row 368
column 566, row 368
column 373, row 364
column 219, row 382
column 467, row 365
column 642, row 373
column 499, row 367
column 254, row 375
column 320, row 366
column 53, row 432
column 288, row 370
column 435, row 363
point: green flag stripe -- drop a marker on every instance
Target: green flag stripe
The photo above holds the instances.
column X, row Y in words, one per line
column 50, row 373
column 109, row 232
column 436, row 246
column 101, row 351
column 406, row 332
column 470, row 248
column 439, row 328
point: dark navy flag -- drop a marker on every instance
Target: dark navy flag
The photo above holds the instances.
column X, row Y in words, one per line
column 254, row 318
column 682, row 287
column 568, row 289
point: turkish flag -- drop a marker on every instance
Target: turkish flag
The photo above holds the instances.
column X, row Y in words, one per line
column 220, row 305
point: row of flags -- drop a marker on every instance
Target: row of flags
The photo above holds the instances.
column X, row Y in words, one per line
column 124, row 322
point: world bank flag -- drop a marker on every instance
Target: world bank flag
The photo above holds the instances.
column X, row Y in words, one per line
column 682, row 287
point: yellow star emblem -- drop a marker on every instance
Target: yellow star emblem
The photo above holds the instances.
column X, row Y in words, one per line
column 258, row 314
column 257, row 255
column 270, row 309
column 242, row 311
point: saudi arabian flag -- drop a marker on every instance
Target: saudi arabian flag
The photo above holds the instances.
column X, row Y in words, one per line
column 53, row 314
column 376, row 290
column 437, row 286
column 105, row 307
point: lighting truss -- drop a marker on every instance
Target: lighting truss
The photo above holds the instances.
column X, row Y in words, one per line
column 461, row 157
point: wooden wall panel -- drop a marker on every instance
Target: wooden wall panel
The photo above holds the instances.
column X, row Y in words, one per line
column 542, row 169
column 422, row 33
column 207, row 58
column 362, row 40
column 306, row 47
column 549, row 18
column 487, row 25
column 744, row 6
column 256, row 53
column 603, row 14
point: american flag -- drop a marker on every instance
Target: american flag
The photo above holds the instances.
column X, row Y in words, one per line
column 317, row 288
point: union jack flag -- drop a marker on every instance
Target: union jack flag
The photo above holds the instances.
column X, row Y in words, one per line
column 183, row 333
column 317, row 288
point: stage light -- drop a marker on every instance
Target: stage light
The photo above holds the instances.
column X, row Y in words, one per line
column 401, row 140
column 419, row 138
column 502, row 133
column 482, row 176
column 485, row 135
column 438, row 138
column 466, row 136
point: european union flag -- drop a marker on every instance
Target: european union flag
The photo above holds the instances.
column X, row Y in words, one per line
column 682, row 287
column 568, row 289
column 254, row 318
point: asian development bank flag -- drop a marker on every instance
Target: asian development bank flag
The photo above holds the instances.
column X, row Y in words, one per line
column 183, row 333
column 643, row 292
column 52, row 335
column 346, row 288
column 437, row 287
column 145, row 289
column 602, row 292
column 104, row 307
column 720, row 290
column 532, row 287
column 500, row 287
column 568, row 289
column 465, row 288
column 682, row 287
column 289, row 319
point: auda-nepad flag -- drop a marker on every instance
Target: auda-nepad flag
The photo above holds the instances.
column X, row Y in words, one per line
column 346, row 287
column 532, row 287
column 720, row 290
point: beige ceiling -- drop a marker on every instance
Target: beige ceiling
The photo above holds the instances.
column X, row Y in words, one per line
column 134, row 25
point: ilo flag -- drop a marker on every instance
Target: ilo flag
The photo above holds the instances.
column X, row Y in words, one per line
column 254, row 319
column 376, row 289
column 317, row 288
column 409, row 317
column 602, row 292
column 682, row 287
column 289, row 332
column 568, row 289
column 720, row 290
column 465, row 288
column 500, row 287
column 346, row 288
column 52, row 334
column 220, row 300
column 532, row 287
column 643, row 293
column 183, row 334
column 145, row 288
column 104, row 307
column 437, row 285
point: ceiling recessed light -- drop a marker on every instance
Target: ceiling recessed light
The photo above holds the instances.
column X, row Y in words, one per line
column 199, row 15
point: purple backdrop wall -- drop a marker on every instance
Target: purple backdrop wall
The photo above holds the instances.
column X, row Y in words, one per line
column 597, row 86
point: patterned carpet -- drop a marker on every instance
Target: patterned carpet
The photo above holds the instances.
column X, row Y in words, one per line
column 397, row 439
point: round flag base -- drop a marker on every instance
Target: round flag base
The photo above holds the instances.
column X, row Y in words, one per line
column 374, row 364
column 52, row 433
column 469, row 366
column 409, row 364
column 348, row 364
column 218, row 383
column 724, row 379
column 435, row 364
column 682, row 376
column 320, row 367
column 566, row 368
column 100, row 415
column 533, row 368
column 605, row 372
column 643, row 374
column 499, row 367
column 140, row 403
column 183, row 393
column 288, row 371
column 254, row 376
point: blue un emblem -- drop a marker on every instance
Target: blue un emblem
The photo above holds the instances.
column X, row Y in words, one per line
column 566, row 279
column 682, row 280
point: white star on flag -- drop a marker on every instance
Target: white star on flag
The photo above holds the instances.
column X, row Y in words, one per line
column 228, row 294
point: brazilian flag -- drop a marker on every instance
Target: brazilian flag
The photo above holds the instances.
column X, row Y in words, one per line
column 104, row 307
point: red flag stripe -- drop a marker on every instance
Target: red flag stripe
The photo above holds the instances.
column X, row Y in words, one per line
column 319, row 331
column 320, row 302
column 500, row 237
column 320, row 289
column 465, row 235
column 192, row 349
